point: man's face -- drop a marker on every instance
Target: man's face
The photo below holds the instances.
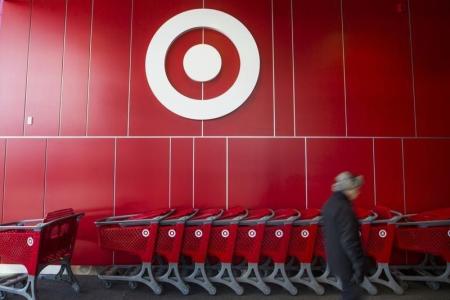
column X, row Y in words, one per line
column 353, row 193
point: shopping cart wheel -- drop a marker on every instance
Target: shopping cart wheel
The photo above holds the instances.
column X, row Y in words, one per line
column 185, row 290
column 107, row 284
column 132, row 285
column 2, row 295
column 76, row 287
column 433, row 285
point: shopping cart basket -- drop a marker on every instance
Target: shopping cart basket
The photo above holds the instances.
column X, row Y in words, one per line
column 248, row 248
column 195, row 246
column 301, row 247
column 134, row 234
column 168, row 247
column 37, row 244
column 427, row 233
column 221, row 248
column 275, row 246
column 380, row 244
column 365, row 217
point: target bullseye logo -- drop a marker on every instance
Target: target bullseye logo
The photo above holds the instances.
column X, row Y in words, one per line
column 304, row 233
column 225, row 233
column 198, row 233
column 202, row 63
column 382, row 233
column 172, row 233
column 30, row 241
column 252, row 233
column 145, row 233
column 279, row 233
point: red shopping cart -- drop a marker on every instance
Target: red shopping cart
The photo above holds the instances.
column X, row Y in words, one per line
column 168, row 247
column 365, row 217
column 37, row 244
column 427, row 233
column 301, row 248
column 248, row 248
column 195, row 246
column 275, row 246
column 134, row 234
column 221, row 248
column 379, row 247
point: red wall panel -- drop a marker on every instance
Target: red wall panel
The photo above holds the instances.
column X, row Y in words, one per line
column 45, row 65
column 427, row 173
column 142, row 175
column 328, row 157
column 431, row 48
column 210, row 172
column 181, row 173
column 80, row 175
column 378, row 68
column 2, row 174
column 75, row 68
column 283, row 71
column 266, row 172
column 319, row 79
column 147, row 115
column 110, row 56
column 388, row 157
column 14, row 37
column 24, row 179
column 255, row 116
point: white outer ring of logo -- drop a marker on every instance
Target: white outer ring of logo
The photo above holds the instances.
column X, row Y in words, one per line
column 198, row 233
column 172, row 233
column 252, row 233
column 225, row 233
column 279, row 233
column 304, row 233
column 30, row 241
column 448, row 233
column 145, row 233
column 223, row 104
column 382, row 233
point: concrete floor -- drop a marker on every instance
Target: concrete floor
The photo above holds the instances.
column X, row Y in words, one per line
column 92, row 288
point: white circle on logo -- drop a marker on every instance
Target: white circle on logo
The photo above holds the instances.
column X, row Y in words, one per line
column 30, row 241
column 223, row 104
column 202, row 62
column 198, row 233
column 172, row 233
column 145, row 233
column 304, row 233
column 225, row 233
column 382, row 233
column 279, row 233
column 252, row 233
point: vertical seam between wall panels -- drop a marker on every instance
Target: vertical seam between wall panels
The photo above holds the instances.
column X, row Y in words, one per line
column 404, row 179
column 28, row 68
column 44, row 196
column 273, row 71
column 61, row 87
column 129, row 66
column 412, row 67
column 306, row 174
column 193, row 172
column 374, row 173
column 226, row 173
column 114, row 176
column 343, row 68
column 293, row 69
column 89, row 68
column 4, row 180
column 170, row 172
column 203, row 84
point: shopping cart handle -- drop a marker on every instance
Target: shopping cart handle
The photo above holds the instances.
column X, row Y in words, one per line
column 21, row 225
column 285, row 221
column 235, row 220
column 369, row 219
column 206, row 220
column 181, row 219
column 261, row 220
column 433, row 223
column 315, row 220
column 392, row 220
column 127, row 220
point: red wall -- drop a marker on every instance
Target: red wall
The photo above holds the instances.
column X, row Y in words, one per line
column 344, row 85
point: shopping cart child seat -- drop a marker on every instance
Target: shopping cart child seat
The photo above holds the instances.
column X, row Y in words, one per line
column 221, row 246
column 37, row 244
column 248, row 247
column 133, row 234
column 301, row 248
column 195, row 246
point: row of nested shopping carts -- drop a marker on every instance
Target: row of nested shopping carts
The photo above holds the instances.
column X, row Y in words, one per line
column 231, row 247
